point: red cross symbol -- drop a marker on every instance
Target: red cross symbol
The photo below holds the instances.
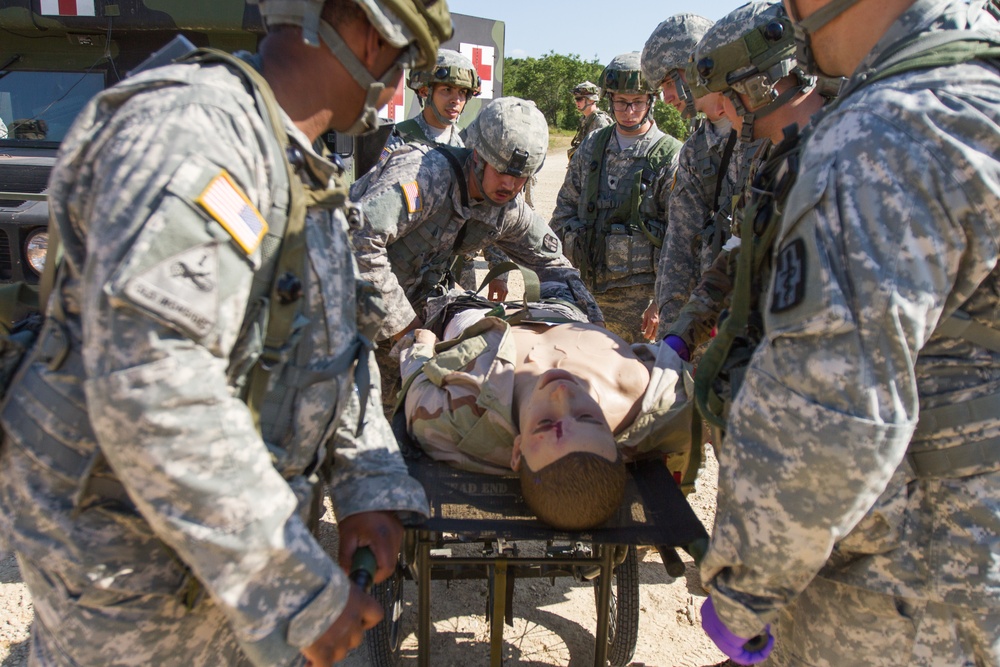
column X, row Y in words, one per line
column 485, row 71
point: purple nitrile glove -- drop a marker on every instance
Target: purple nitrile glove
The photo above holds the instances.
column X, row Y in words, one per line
column 678, row 345
column 740, row 650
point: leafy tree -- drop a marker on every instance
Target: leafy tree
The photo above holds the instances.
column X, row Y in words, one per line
column 548, row 81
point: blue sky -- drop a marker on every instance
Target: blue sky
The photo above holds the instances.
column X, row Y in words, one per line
column 587, row 28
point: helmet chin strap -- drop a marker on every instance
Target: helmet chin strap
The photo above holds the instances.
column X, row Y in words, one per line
column 746, row 133
column 648, row 116
column 367, row 120
column 437, row 114
column 809, row 26
column 684, row 94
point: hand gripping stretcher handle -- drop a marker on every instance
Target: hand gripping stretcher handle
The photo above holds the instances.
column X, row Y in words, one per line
column 363, row 567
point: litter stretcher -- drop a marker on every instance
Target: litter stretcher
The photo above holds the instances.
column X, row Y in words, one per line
column 469, row 507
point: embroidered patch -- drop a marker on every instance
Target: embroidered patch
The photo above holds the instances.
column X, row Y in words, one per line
column 411, row 191
column 182, row 289
column 226, row 202
column 550, row 243
column 789, row 277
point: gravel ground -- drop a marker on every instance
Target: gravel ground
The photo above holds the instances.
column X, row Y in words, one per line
column 554, row 623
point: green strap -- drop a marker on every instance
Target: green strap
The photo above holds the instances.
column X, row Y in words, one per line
column 291, row 257
column 961, row 325
column 410, row 130
column 532, row 286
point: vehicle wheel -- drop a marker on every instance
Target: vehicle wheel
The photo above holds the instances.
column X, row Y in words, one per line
column 382, row 642
column 623, row 619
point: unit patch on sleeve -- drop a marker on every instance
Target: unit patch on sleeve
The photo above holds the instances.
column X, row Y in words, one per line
column 182, row 290
column 411, row 191
column 789, row 277
column 550, row 243
column 226, row 202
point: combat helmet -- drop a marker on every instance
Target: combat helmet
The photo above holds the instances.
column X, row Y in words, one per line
column 668, row 50
column 624, row 75
column 511, row 135
column 452, row 68
column 416, row 26
column 748, row 52
column 587, row 89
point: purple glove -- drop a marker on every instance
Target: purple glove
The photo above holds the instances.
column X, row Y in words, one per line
column 678, row 345
column 740, row 650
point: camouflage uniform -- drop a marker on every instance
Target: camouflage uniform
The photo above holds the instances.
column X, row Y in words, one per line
column 407, row 240
column 845, row 503
column 467, row 389
column 595, row 121
column 153, row 522
column 625, row 284
column 418, row 129
column 694, row 235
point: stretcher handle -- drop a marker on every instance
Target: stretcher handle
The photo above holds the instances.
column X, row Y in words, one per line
column 363, row 567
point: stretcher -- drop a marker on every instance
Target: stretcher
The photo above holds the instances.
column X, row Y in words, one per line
column 469, row 507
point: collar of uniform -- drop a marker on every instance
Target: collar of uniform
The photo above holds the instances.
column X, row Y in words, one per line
column 920, row 17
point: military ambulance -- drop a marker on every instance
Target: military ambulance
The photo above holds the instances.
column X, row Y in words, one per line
column 56, row 54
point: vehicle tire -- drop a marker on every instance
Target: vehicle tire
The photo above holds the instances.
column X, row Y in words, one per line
column 623, row 620
column 382, row 642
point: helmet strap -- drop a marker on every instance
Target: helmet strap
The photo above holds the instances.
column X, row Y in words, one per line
column 367, row 120
column 444, row 120
column 806, row 27
column 685, row 95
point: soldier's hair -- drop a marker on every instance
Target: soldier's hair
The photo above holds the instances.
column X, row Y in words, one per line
column 578, row 491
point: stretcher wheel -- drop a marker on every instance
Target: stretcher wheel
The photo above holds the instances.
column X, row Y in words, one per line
column 382, row 642
column 623, row 622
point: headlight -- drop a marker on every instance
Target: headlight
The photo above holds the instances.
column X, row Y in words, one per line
column 36, row 248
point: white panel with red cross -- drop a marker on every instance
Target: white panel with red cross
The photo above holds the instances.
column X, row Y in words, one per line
column 483, row 58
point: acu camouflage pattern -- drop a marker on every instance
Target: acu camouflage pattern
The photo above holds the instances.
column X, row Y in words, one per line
column 595, row 121
column 670, row 46
column 407, row 253
column 629, row 256
column 144, row 413
column 418, row 129
column 895, row 218
column 702, row 306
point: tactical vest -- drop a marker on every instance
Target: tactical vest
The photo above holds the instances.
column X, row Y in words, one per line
column 616, row 242
column 409, row 130
column 760, row 227
column 586, row 127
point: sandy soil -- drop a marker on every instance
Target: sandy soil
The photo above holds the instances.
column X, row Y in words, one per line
column 555, row 623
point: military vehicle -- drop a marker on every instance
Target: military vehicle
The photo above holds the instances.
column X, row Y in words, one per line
column 56, row 54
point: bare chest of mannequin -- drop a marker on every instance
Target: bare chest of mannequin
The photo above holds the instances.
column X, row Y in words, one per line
column 602, row 361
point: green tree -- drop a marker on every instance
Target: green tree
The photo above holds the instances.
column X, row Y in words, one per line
column 549, row 80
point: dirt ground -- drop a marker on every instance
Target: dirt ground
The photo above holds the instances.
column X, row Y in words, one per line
column 554, row 624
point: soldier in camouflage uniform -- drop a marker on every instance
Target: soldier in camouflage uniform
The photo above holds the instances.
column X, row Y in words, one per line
column 586, row 95
column 425, row 203
column 158, row 519
column 611, row 212
column 702, row 191
column 443, row 91
column 749, row 58
column 859, row 506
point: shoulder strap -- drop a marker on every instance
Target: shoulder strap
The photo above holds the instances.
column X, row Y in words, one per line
column 410, row 130
column 591, row 187
column 928, row 50
column 456, row 158
column 286, row 252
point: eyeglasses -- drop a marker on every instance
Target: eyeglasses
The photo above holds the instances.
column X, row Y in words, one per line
column 638, row 105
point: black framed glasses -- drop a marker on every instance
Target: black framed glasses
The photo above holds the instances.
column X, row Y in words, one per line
column 638, row 105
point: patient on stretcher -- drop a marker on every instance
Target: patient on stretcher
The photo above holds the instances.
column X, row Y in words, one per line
column 563, row 403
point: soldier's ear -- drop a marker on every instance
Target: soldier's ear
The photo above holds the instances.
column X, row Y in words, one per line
column 515, row 455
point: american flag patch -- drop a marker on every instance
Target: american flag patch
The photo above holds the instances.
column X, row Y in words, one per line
column 68, row 8
column 384, row 155
column 225, row 201
column 412, row 193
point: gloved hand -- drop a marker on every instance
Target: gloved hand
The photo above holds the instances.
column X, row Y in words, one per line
column 740, row 650
column 679, row 346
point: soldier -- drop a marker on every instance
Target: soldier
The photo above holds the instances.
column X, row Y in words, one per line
column 694, row 233
column 157, row 482
column 611, row 211
column 443, row 91
column 586, row 95
column 426, row 204
column 749, row 58
column 859, row 511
